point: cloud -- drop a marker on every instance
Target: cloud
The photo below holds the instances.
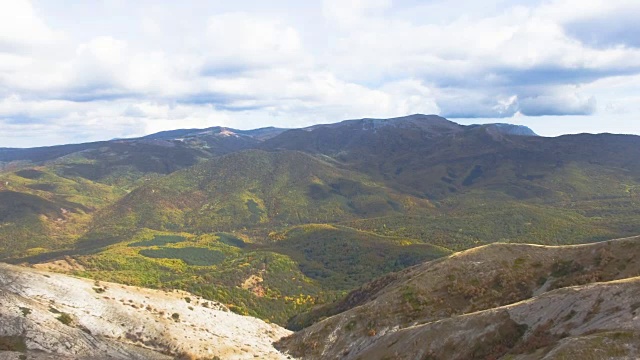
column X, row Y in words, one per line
column 558, row 104
column 239, row 41
column 619, row 27
column 562, row 100
column 350, row 13
column 98, row 64
column 469, row 104
column 21, row 28
column 15, row 106
column 481, row 64
column 147, row 67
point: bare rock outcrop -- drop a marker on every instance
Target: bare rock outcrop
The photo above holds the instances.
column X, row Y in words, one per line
column 47, row 315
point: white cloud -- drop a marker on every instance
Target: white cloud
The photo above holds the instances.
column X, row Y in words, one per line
column 235, row 41
column 21, row 28
column 99, row 63
column 560, row 103
column 155, row 66
column 350, row 13
column 15, row 106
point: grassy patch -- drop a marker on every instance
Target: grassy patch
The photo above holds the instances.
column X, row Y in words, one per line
column 13, row 343
column 159, row 240
column 31, row 174
column 564, row 268
column 65, row 318
column 343, row 258
column 190, row 255
column 25, row 311
column 231, row 240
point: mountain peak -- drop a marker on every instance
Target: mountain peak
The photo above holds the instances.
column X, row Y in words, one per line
column 507, row 129
column 431, row 123
column 427, row 122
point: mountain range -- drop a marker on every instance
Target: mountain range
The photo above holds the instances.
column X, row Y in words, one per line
column 315, row 228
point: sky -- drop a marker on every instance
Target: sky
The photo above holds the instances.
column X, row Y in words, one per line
column 79, row 71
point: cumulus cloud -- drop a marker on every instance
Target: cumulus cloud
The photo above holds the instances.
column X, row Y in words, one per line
column 15, row 106
column 463, row 103
column 160, row 67
column 612, row 27
column 482, row 63
column 558, row 104
column 22, row 29
column 351, row 13
column 237, row 41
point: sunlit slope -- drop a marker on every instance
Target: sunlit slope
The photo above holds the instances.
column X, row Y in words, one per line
column 471, row 281
column 41, row 211
column 256, row 189
column 298, row 268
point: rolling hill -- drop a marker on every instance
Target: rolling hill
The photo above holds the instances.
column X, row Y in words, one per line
column 50, row 194
column 41, row 211
column 297, row 269
column 274, row 222
column 486, row 302
column 256, row 189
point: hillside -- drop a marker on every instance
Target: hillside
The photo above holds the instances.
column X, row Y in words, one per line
column 41, row 211
column 481, row 279
column 53, row 192
column 596, row 321
column 215, row 140
column 46, row 315
column 256, row 189
column 273, row 222
column 341, row 258
column 432, row 157
column 125, row 162
column 299, row 268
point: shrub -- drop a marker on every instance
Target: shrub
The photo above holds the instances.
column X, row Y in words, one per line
column 65, row 318
column 25, row 311
column 12, row 343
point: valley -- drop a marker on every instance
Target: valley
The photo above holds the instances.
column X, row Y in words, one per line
column 433, row 226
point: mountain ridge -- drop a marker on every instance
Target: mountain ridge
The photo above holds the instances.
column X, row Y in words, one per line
column 477, row 283
column 264, row 133
column 278, row 222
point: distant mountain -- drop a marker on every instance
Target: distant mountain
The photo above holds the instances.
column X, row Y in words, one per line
column 431, row 157
column 432, row 123
column 364, row 134
column 508, row 129
column 259, row 134
column 171, row 137
column 580, row 182
column 159, row 153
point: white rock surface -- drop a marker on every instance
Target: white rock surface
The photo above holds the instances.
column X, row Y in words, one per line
column 121, row 322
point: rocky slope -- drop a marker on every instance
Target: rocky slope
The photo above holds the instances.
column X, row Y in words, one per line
column 48, row 315
column 426, row 305
column 596, row 321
